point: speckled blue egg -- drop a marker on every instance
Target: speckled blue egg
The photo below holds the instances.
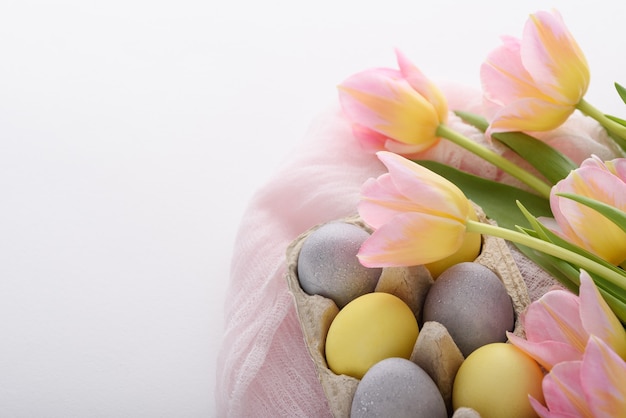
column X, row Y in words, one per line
column 472, row 303
column 328, row 265
column 396, row 387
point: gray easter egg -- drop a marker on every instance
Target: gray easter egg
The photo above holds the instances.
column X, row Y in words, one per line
column 472, row 303
column 328, row 266
column 396, row 387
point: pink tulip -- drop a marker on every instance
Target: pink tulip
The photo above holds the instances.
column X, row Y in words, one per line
column 559, row 324
column 536, row 82
column 590, row 387
column 418, row 216
column 394, row 110
column 582, row 225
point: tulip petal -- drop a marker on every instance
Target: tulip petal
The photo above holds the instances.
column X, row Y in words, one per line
column 540, row 409
column 380, row 101
column 536, row 81
column 585, row 226
column 429, row 192
column 556, row 317
column 503, row 76
column 594, row 161
column 381, row 201
column 603, row 374
column 617, row 167
column 563, row 391
column 423, row 85
column 370, row 140
column 530, row 114
column 419, row 217
column 375, row 81
column 556, row 62
column 408, row 187
column 598, row 183
column 412, row 239
column 546, row 353
column 401, row 105
column 598, row 318
column 406, row 150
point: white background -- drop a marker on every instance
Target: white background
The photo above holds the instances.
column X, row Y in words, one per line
column 132, row 135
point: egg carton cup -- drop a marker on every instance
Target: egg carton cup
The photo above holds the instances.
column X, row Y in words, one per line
column 434, row 351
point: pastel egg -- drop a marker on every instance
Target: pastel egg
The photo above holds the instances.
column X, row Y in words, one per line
column 397, row 387
column 469, row 250
column 328, row 265
column 472, row 303
column 369, row 329
column 496, row 381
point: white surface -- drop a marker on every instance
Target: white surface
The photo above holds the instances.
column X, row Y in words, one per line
column 133, row 133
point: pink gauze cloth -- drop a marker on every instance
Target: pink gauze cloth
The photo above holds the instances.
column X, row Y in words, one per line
column 263, row 367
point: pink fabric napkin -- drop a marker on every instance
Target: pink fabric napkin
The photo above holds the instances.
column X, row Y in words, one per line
column 263, row 368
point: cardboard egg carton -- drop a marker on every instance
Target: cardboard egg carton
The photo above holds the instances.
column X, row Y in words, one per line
column 434, row 351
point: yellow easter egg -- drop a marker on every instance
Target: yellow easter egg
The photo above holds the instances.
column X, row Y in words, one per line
column 469, row 250
column 495, row 380
column 369, row 329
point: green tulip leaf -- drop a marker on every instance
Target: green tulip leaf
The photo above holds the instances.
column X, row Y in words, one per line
column 551, row 163
column 473, row 119
column 547, row 160
column 569, row 276
column 618, row 139
column 547, row 235
column 497, row 200
column 616, row 119
column 538, row 230
column 528, row 231
column 612, row 213
column 609, row 288
column 621, row 91
column 568, row 273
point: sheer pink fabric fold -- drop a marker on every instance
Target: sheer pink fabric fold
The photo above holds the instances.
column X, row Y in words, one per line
column 263, row 368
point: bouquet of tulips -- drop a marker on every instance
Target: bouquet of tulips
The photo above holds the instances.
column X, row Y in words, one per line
column 568, row 218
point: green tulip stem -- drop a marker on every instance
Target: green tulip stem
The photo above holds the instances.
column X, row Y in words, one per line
column 618, row 130
column 548, row 248
column 488, row 155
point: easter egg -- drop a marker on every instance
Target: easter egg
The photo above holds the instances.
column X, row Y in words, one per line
column 472, row 303
column 369, row 329
column 328, row 265
column 496, row 380
column 469, row 250
column 397, row 387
